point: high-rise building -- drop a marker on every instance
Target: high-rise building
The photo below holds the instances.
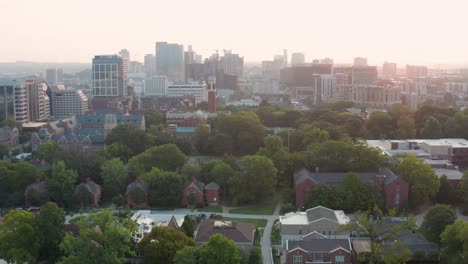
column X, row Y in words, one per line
column 415, row 71
column 389, row 70
column 364, row 75
column 54, row 76
column 66, row 102
column 297, row 59
column 21, row 104
column 285, row 57
column 232, row 63
column 156, row 86
column 108, row 76
column 360, row 61
column 170, row 61
column 125, row 55
column 39, row 104
column 7, row 99
column 150, row 64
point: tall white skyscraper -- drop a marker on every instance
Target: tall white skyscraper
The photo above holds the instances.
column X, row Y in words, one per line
column 232, row 63
column 156, row 86
column 54, row 76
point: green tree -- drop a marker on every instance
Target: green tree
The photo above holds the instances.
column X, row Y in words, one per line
column 187, row 226
column 60, row 184
column 447, row 193
column 165, row 188
column 373, row 224
column 246, row 190
column 202, row 135
column 131, row 136
column 331, row 155
column 314, row 135
column 278, row 153
column 436, row 220
column 14, row 178
column 103, row 238
column 397, row 253
column 49, row 151
column 324, row 195
column 406, row 128
column 166, row 157
column 454, row 242
column 153, row 117
column 191, row 170
column 423, row 183
column 51, row 226
column 120, row 151
column 432, row 129
column 221, row 173
column 162, row 244
column 255, row 256
column 354, row 127
column 187, row 255
column 114, row 176
column 219, row 249
column 4, row 150
column 380, row 125
column 20, row 239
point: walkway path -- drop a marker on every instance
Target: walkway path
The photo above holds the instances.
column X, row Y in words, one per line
column 266, row 239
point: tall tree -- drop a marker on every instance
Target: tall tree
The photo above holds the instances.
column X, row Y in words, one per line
column 256, row 182
column 49, row 151
column 120, row 151
column 166, row 157
column 454, row 242
column 4, row 150
column 187, row 255
column 51, row 226
column 278, row 153
column 114, row 176
column 446, row 193
column 406, row 128
column 131, row 136
column 432, row 129
column 20, row 239
column 165, row 188
column 436, row 220
column 153, row 117
column 162, row 244
column 103, row 238
column 60, row 184
column 219, row 249
column 421, row 178
column 380, row 125
column 191, row 170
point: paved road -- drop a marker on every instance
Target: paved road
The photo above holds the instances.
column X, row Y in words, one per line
column 266, row 239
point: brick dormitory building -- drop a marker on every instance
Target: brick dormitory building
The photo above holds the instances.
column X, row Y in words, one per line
column 393, row 188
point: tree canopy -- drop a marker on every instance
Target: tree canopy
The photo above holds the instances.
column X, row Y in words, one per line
column 436, row 220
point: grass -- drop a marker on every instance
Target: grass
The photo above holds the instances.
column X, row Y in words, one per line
column 211, row 209
column 258, row 223
column 267, row 209
column 276, row 256
column 275, row 234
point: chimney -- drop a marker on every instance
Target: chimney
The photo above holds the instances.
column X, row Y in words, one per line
column 317, row 170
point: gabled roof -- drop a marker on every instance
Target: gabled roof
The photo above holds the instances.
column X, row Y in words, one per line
column 39, row 186
column 236, row 231
column 336, row 177
column 212, row 186
column 319, row 245
column 90, row 186
column 137, row 184
column 198, row 185
column 320, row 212
column 315, row 214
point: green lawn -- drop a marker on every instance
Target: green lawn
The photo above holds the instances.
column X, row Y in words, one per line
column 211, row 209
column 275, row 234
column 260, row 223
column 267, row 209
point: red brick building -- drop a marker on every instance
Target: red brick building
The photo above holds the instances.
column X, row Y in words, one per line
column 318, row 250
column 212, row 193
column 393, row 188
column 194, row 190
column 88, row 194
column 137, row 193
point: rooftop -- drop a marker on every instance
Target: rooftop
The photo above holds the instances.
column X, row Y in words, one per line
column 313, row 215
column 236, row 231
column 319, row 245
column 451, row 174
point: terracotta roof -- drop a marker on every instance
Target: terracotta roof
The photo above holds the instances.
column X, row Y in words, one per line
column 236, row 231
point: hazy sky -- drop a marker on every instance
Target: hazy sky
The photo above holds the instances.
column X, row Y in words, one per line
column 406, row 31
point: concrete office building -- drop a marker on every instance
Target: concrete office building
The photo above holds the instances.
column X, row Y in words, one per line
column 360, row 61
column 414, row 71
column 232, row 63
column 39, row 104
column 197, row 89
column 364, row 75
column 54, row 76
column 327, row 86
column 156, row 86
column 150, row 64
column 389, row 70
column 108, row 76
column 297, row 59
column 68, row 102
column 170, row 61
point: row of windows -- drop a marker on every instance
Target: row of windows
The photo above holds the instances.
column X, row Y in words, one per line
column 298, row 259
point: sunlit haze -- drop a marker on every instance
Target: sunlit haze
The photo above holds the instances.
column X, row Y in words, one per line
column 416, row 31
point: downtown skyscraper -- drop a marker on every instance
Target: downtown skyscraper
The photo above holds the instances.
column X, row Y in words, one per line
column 170, row 61
column 108, row 76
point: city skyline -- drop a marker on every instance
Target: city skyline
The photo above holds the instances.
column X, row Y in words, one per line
column 416, row 32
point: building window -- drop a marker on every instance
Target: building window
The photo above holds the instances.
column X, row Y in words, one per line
column 339, row 260
column 297, row 259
